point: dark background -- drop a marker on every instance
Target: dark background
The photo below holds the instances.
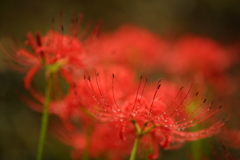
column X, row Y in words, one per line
column 19, row 125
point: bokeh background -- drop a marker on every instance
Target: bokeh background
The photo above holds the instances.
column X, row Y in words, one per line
column 19, row 125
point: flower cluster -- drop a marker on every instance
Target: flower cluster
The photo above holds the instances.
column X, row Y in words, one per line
column 56, row 51
column 107, row 112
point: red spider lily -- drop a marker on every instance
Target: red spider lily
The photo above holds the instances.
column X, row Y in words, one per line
column 67, row 53
column 201, row 58
column 132, row 46
column 167, row 124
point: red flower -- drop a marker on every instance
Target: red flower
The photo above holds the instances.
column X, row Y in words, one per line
column 148, row 112
column 56, row 51
column 132, row 46
column 200, row 58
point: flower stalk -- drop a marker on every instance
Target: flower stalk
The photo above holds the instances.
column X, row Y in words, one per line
column 135, row 147
column 45, row 115
column 140, row 133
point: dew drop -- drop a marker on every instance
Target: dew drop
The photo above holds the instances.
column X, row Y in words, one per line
column 133, row 114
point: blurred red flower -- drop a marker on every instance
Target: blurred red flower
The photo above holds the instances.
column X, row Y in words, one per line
column 56, row 51
column 201, row 59
column 132, row 46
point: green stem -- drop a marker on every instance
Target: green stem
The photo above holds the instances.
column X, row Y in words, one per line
column 135, row 147
column 195, row 150
column 140, row 132
column 45, row 115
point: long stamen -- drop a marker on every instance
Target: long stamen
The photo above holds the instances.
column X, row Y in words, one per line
column 194, row 111
column 60, row 22
column 93, row 35
column 164, row 113
column 227, row 152
column 85, row 30
column 141, row 95
column 93, row 92
column 137, row 94
column 175, row 110
column 183, row 109
column 80, row 18
column 154, row 96
column 199, row 119
column 72, row 24
column 100, row 91
column 118, row 109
